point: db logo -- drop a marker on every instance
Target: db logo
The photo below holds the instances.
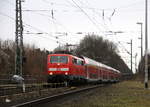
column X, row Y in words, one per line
column 58, row 69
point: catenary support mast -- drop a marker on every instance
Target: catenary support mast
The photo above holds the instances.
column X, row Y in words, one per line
column 146, row 44
column 19, row 39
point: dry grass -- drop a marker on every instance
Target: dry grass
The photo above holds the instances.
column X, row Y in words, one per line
column 124, row 94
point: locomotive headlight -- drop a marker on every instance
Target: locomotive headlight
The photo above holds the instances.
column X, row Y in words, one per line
column 64, row 69
column 66, row 73
column 52, row 69
column 50, row 73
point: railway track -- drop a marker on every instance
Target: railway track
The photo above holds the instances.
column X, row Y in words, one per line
column 55, row 97
column 17, row 88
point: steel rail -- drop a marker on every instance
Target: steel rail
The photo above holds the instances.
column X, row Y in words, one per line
column 17, row 88
column 55, row 97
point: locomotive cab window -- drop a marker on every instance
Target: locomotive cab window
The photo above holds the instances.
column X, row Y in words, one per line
column 59, row 59
column 77, row 62
column 74, row 61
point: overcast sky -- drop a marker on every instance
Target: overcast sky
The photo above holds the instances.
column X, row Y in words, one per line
column 61, row 20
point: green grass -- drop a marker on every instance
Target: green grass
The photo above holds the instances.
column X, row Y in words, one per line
column 124, row 94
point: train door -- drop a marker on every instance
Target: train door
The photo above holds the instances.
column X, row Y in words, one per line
column 87, row 72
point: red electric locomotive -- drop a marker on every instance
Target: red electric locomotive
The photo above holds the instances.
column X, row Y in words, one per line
column 70, row 68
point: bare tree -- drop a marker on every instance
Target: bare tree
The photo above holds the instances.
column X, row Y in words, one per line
column 101, row 50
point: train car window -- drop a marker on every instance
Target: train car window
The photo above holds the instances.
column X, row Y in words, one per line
column 59, row 59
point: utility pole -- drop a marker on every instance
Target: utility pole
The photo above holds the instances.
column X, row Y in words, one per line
column 131, row 53
column 141, row 24
column 146, row 46
column 19, row 39
column 135, row 63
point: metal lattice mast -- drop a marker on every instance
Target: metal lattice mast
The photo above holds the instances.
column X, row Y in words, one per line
column 19, row 39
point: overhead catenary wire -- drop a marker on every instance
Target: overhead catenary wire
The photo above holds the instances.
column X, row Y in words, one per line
column 94, row 23
column 52, row 18
column 38, row 13
column 106, row 27
column 98, row 9
column 35, row 28
column 86, row 6
column 98, row 13
column 56, row 23
column 3, row 14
